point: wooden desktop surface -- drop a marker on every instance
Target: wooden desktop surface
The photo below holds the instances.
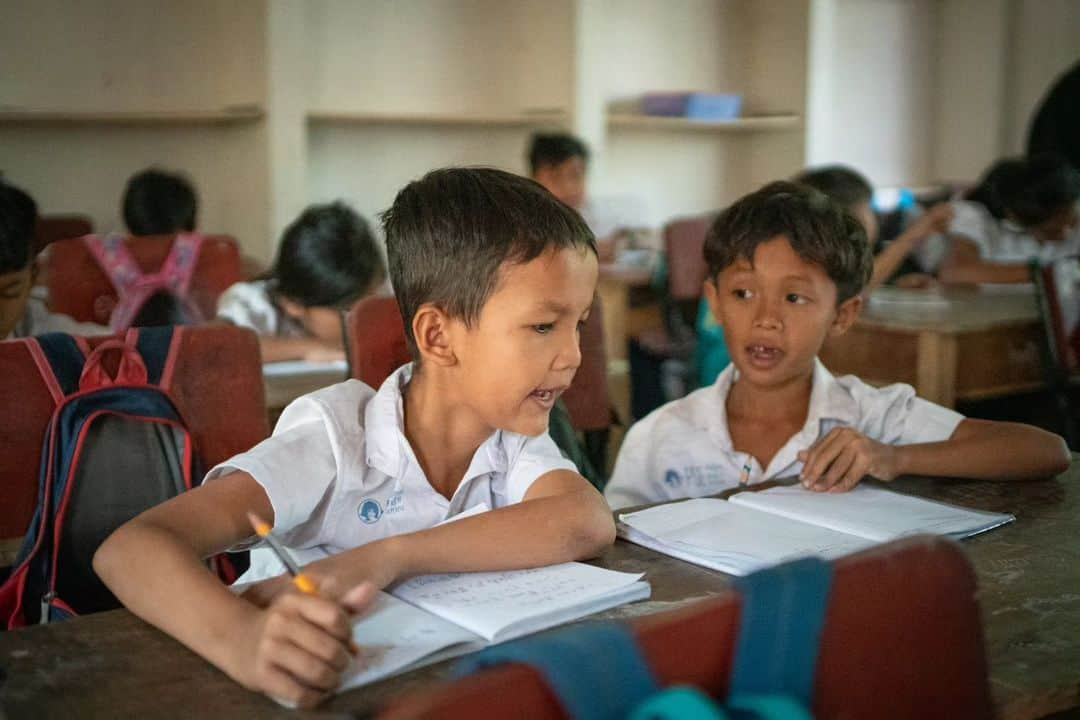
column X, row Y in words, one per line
column 953, row 344
column 112, row 664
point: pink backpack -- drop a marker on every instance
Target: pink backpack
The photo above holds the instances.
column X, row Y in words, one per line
column 134, row 287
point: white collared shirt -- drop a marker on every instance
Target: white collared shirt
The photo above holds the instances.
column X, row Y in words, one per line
column 1000, row 241
column 684, row 448
column 340, row 473
column 37, row 319
column 249, row 304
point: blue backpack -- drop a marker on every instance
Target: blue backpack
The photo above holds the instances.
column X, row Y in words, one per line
column 115, row 446
column 598, row 672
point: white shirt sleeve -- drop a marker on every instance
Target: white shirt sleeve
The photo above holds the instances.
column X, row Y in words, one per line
column 972, row 222
column 537, row 457
column 296, row 467
column 37, row 320
column 895, row 416
column 247, row 304
column 629, row 482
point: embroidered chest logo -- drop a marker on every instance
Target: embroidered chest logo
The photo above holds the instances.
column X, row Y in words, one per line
column 672, row 479
column 370, row 511
column 695, row 476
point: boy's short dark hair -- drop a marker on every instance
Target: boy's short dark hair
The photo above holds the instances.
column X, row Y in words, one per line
column 842, row 184
column 328, row 258
column 820, row 231
column 159, row 203
column 449, row 233
column 18, row 228
column 553, row 149
column 1030, row 189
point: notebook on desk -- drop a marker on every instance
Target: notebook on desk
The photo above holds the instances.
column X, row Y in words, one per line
column 753, row 530
column 434, row 617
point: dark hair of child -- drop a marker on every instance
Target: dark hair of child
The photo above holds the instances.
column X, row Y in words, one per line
column 159, row 203
column 1030, row 190
column 553, row 149
column 328, row 258
column 18, row 225
column 820, row 230
column 448, row 234
column 841, row 183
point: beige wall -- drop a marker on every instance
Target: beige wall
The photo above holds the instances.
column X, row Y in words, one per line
column 147, row 56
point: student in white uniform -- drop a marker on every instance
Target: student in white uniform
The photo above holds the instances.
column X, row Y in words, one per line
column 328, row 259
column 494, row 278
column 1022, row 210
column 22, row 312
column 786, row 267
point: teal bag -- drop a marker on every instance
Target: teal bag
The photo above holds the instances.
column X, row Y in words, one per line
column 598, row 671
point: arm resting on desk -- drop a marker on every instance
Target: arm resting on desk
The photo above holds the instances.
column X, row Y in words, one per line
column 964, row 264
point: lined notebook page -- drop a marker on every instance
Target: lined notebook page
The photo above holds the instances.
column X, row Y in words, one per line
column 731, row 538
column 500, row 605
column 871, row 512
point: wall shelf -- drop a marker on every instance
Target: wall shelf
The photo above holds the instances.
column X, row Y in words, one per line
column 753, row 123
column 491, row 120
column 225, row 116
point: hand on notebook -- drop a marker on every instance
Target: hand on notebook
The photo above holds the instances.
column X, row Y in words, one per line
column 838, row 461
column 296, row 649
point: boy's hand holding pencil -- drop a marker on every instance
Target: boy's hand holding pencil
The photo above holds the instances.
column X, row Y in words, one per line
column 296, row 649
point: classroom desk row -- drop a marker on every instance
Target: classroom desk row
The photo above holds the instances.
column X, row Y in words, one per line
column 113, row 665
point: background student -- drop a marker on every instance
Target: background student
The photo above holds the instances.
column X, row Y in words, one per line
column 786, row 269
column 1023, row 209
column 327, row 260
column 23, row 313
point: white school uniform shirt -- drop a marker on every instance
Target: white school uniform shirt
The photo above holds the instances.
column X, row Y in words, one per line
column 250, row 305
column 1000, row 241
column 340, row 473
column 38, row 320
column 684, row 448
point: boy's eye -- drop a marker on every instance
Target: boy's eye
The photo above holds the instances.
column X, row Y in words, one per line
column 543, row 328
column 742, row 293
column 796, row 299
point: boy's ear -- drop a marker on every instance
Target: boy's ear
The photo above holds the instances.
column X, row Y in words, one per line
column 846, row 315
column 712, row 297
column 431, row 328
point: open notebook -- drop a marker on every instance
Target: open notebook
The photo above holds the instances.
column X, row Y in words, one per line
column 752, row 530
column 433, row 617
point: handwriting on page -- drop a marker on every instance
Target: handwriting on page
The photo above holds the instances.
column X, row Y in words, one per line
column 520, row 588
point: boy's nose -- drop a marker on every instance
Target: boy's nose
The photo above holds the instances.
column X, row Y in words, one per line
column 569, row 357
column 768, row 316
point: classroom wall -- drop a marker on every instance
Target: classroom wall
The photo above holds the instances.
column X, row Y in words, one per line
column 872, row 85
column 153, row 56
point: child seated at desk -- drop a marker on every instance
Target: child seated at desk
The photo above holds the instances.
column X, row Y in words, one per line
column 327, row 260
column 22, row 312
column 494, row 278
column 786, row 268
column 1022, row 210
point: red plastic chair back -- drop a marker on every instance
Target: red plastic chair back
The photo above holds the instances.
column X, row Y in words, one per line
column 376, row 342
column 217, row 386
column 51, row 228
column 684, row 246
column 587, row 399
column 902, row 639
column 78, row 287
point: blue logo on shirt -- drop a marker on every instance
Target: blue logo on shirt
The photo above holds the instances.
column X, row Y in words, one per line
column 370, row 511
column 672, row 478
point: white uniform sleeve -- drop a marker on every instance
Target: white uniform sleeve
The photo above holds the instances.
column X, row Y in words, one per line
column 37, row 320
column 629, row 483
column 972, row 222
column 537, row 457
column 295, row 466
column 895, row 416
column 248, row 305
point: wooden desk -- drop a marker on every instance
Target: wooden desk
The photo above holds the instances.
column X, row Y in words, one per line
column 282, row 388
column 956, row 344
column 112, row 664
column 614, row 287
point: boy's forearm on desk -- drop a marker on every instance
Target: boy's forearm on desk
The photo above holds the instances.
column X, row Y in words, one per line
column 984, row 450
column 538, row 532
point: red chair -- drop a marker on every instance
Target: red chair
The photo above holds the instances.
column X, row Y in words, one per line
column 1058, row 293
column 376, row 339
column 684, row 248
column 217, row 387
column 51, row 228
column 902, row 639
column 79, row 288
column 587, row 399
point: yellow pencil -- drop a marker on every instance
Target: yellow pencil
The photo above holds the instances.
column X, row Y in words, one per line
column 300, row 580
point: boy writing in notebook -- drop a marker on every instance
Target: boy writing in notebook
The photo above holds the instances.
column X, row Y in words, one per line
column 493, row 277
column 786, row 266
